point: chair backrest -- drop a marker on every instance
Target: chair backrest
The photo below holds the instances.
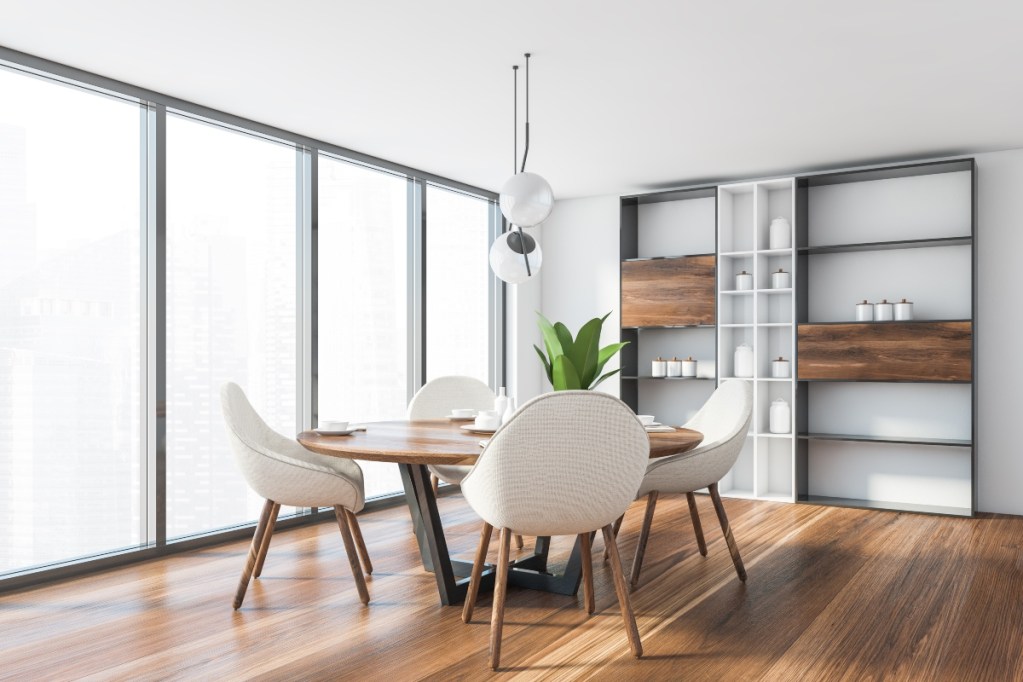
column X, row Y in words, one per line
column 438, row 397
column 568, row 462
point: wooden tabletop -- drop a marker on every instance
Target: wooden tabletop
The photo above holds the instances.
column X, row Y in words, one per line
column 440, row 441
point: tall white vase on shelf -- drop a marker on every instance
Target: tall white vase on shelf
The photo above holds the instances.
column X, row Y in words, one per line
column 780, row 234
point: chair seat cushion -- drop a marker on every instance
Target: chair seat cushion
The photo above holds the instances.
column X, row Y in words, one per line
column 450, row 473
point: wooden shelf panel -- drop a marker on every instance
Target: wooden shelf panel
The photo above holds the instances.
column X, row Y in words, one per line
column 887, row 351
column 949, row 442
column 668, row 292
column 886, row 506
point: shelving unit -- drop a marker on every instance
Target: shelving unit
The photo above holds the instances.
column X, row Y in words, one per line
column 884, row 413
column 764, row 319
column 668, row 301
column 887, row 410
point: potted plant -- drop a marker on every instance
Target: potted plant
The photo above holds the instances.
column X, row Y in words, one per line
column 575, row 363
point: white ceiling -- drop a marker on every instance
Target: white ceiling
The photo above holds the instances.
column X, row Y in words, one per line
column 626, row 96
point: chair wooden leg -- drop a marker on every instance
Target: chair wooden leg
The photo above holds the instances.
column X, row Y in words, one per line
column 250, row 562
column 697, row 526
column 500, row 592
column 264, row 546
column 477, row 571
column 644, row 535
column 733, row 549
column 360, row 544
column 584, row 545
column 518, row 541
column 353, row 559
column 623, row 592
column 617, row 527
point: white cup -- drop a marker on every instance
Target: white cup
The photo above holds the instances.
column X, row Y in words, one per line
column 333, row 425
column 645, row 419
column 488, row 419
column 463, row 412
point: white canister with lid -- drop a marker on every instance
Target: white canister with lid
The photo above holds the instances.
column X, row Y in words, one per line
column 779, row 234
column 744, row 361
column 781, row 280
column 659, row 367
column 743, row 281
column 864, row 311
column 674, row 367
column 883, row 311
column 689, row 367
column 904, row 310
column 780, row 368
column 780, row 417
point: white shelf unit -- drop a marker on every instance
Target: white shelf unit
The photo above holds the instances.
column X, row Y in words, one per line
column 765, row 319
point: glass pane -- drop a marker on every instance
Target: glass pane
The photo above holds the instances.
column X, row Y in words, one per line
column 363, row 345
column 231, row 311
column 457, row 279
column 70, row 323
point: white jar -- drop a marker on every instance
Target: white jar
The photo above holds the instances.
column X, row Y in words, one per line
column 780, row 368
column 780, row 416
column 864, row 311
column 674, row 367
column 781, row 280
column 659, row 367
column 743, row 281
column 904, row 310
column 780, row 234
column 744, row 361
column 689, row 367
column 883, row 311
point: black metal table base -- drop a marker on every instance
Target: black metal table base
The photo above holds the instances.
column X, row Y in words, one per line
column 452, row 574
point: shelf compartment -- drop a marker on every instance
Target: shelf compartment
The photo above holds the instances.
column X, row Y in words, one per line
column 676, row 291
column 899, row 440
column 883, row 506
column 734, row 292
column 885, row 246
column 891, row 351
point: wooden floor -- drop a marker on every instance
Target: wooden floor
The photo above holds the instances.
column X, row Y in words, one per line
column 832, row 594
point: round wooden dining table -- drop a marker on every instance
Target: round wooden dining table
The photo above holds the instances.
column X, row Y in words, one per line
column 413, row 445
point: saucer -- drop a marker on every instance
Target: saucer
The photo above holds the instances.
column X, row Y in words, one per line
column 472, row 428
column 347, row 432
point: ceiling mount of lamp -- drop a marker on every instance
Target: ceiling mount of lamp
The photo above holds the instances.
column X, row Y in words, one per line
column 526, row 201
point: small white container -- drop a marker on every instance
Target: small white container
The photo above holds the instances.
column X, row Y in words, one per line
column 904, row 310
column 705, row 369
column 864, row 311
column 743, row 281
column 674, row 367
column 883, row 311
column 780, row 368
column 781, row 280
column 659, row 368
column 689, row 367
column 780, row 417
column 744, row 361
column 780, row 234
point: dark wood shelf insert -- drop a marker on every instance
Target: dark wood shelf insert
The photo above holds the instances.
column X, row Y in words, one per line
column 668, row 292
column 900, row 351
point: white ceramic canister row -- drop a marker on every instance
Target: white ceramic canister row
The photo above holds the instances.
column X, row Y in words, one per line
column 674, row 367
column 884, row 311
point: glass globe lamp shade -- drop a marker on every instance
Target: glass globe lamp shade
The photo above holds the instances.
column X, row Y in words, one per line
column 506, row 257
column 526, row 199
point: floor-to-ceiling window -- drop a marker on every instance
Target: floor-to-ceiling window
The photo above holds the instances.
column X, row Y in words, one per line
column 71, row 411
column 231, row 310
column 151, row 250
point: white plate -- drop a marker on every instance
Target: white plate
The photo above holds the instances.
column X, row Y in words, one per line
column 346, row 432
column 460, row 419
column 472, row 428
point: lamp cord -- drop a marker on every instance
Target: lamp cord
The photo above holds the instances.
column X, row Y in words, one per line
column 525, row 153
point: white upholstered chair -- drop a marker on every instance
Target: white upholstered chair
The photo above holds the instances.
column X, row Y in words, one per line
column 567, row 463
column 724, row 422
column 436, row 399
column 284, row 472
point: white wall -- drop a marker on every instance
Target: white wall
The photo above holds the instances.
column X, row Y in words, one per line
column 580, row 280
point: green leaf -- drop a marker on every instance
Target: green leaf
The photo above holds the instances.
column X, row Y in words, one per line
column 550, row 337
column 584, row 352
column 565, row 337
column 601, row 379
column 608, row 352
column 566, row 378
column 546, row 364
